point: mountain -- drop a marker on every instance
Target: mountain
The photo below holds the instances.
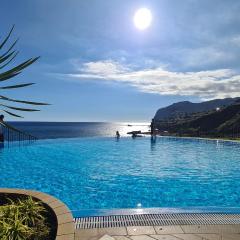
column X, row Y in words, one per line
column 182, row 109
column 222, row 123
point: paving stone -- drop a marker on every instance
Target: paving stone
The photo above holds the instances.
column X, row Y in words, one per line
column 66, row 237
column 99, row 232
column 87, row 234
column 121, row 237
column 168, row 229
column 66, row 228
column 106, row 237
column 230, row 228
column 141, row 237
column 199, row 229
column 164, row 237
column 231, row 237
column 192, row 232
column 46, row 198
column 55, row 204
column 41, row 195
column 211, row 228
column 85, row 238
column 34, row 193
column 188, row 236
column 61, row 210
column 210, row 236
column 65, row 218
column 140, row 230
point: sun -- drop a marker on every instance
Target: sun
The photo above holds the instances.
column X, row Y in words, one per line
column 142, row 18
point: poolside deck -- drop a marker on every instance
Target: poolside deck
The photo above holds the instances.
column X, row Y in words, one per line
column 176, row 232
column 187, row 226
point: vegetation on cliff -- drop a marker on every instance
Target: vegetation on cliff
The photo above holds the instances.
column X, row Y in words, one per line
column 223, row 122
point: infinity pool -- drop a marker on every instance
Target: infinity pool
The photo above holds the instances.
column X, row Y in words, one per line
column 103, row 173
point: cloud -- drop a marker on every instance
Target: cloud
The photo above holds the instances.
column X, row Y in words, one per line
column 210, row 84
column 235, row 40
column 205, row 57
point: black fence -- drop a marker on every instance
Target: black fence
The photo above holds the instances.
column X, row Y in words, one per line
column 11, row 134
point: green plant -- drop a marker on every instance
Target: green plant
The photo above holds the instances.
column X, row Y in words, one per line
column 32, row 211
column 13, row 228
column 6, row 59
column 23, row 219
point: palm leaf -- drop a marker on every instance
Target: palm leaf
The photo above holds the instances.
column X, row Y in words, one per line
column 5, row 59
column 12, row 114
column 16, row 70
column 6, row 39
column 22, row 101
column 8, row 76
column 4, row 65
column 17, row 86
column 11, row 47
column 20, row 109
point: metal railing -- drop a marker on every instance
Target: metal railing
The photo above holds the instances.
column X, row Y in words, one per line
column 11, row 134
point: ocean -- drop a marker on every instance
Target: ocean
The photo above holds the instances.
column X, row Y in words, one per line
column 51, row 130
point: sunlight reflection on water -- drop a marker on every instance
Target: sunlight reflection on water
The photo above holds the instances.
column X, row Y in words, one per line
column 44, row 130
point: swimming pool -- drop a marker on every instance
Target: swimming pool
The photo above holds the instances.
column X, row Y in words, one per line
column 103, row 173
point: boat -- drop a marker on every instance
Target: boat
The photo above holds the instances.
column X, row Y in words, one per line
column 135, row 134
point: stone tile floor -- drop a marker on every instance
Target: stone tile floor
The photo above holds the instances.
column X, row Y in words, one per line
column 184, row 232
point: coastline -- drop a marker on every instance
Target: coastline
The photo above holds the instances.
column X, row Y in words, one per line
column 203, row 138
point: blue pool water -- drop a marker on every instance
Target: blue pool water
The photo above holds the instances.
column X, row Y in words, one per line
column 103, row 173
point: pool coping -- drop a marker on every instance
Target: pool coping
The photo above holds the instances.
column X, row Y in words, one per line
column 165, row 210
column 65, row 228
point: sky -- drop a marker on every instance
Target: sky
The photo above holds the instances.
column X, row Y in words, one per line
column 96, row 65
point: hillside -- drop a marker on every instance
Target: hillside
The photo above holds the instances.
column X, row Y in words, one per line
column 223, row 123
column 182, row 109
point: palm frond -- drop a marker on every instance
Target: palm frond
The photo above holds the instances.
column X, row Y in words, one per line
column 16, row 70
column 8, row 76
column 22, row 101
column 6, row 39
column 5, row 64
column 5, row 59
column 20, row 109
column 10, row 48
column 17, row 86
column 12, row 114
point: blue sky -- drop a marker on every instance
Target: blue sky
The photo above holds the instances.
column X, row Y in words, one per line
column 96, row 65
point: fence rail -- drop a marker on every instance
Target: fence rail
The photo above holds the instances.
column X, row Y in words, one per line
column 11, row 134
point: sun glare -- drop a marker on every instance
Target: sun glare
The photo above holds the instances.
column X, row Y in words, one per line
column 142, row 18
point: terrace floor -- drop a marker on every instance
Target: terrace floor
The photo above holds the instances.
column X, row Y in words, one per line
column 173, row 232
column 158, row 224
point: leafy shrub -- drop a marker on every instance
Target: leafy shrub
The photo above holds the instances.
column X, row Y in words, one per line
column 23, row 220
